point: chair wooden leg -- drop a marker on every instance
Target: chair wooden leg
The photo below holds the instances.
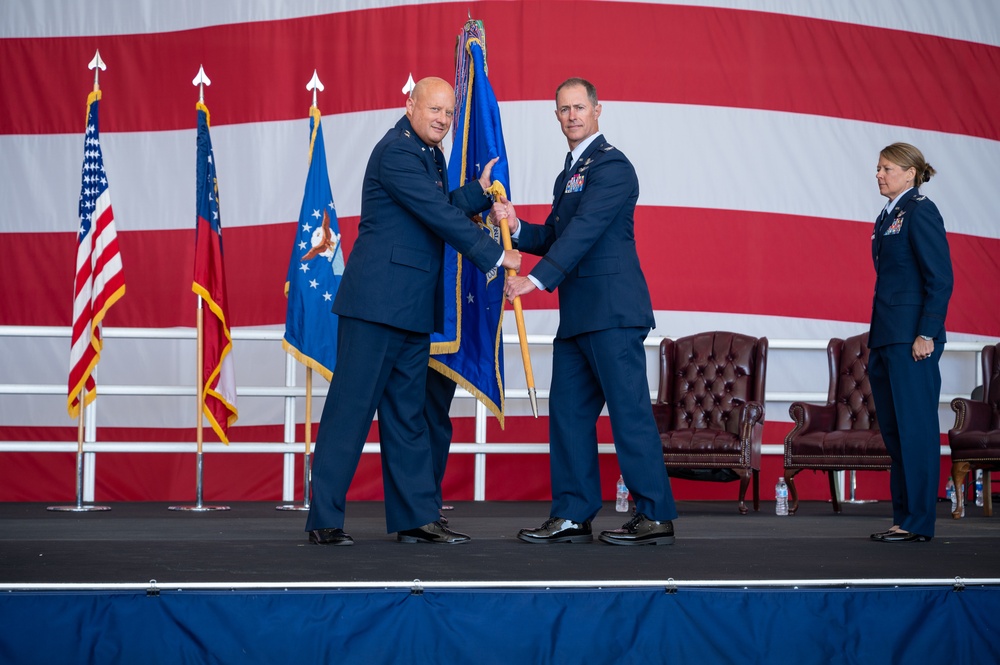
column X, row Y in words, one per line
column 958, row 472
column 793, row 493
column 834, row 499
column 756, row 491
column 744, row 483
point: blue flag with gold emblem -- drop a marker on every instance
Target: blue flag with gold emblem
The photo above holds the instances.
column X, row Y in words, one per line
column 470, row 350
column 316, row 266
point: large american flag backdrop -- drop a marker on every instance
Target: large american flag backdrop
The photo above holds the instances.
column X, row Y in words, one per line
column 754, row 126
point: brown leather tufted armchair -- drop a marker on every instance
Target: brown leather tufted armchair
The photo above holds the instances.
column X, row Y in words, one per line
column 842, row 434
column 975, row 439
column 710, row 405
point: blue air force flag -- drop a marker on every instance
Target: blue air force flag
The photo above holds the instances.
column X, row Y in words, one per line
column 316, row 266
column 470, row 350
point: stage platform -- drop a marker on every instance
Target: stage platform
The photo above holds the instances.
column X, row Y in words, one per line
column 244, row 585
column 252, row 544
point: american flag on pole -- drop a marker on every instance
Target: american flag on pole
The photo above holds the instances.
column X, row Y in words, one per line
column 217, row 370
column 754, row 127
column 100, row 281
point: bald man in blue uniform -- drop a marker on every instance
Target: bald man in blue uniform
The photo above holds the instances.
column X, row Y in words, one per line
column 389, row 301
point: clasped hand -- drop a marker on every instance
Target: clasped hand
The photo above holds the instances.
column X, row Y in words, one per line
column 516, row 285
column 922, row 348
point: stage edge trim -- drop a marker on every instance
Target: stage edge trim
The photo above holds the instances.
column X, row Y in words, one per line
column 154, row 587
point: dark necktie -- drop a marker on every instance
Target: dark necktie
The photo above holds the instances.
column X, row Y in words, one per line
column 878, row 240
column 438, row 162
column 569, row 163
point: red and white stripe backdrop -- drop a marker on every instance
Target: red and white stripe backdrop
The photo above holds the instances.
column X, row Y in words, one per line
column 754, row 127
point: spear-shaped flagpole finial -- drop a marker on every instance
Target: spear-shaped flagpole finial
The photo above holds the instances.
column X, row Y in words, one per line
column 314, row 84
column 410, row 85
column 97, row 65
column 201, row 80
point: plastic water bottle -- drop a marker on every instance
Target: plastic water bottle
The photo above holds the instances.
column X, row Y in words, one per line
column 781, row 494
column 621, row 496
column 979, row 487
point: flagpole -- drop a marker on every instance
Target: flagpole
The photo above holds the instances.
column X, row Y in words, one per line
column 497, row 189
column 200, row 80
column 315, row 86
column 306, row 458
column 199, row 429
column 522, row 336
column 98, row 66
column 79, row 507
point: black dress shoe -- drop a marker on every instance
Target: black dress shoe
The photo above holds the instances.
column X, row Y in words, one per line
column 880, row 534
column 435, row 532
column 558, row 530
column 640, row 530
column 903, row 537
column 330, row 537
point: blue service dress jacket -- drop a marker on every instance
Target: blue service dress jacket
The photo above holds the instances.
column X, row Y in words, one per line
column 394, row 272
column 588, row 245
column 913, row 273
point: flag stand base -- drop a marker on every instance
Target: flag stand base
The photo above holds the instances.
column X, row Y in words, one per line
column 854, row 486
column 79, row 507
column 306, row 464
column 198, row 507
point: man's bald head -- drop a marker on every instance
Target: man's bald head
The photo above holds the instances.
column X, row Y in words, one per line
column 430, row 108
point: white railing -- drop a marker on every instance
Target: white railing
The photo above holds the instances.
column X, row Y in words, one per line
column 289, row 392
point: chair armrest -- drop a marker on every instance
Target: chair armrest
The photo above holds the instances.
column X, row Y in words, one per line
column 751, row 413
column 751, row 431
column 812, row 417
column 971, row 415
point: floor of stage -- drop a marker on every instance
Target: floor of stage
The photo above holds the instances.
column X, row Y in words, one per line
column 252, row 543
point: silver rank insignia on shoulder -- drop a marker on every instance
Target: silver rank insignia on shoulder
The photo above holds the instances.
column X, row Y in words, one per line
column 607, row 148
column 919, row 198
column 406, row 133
